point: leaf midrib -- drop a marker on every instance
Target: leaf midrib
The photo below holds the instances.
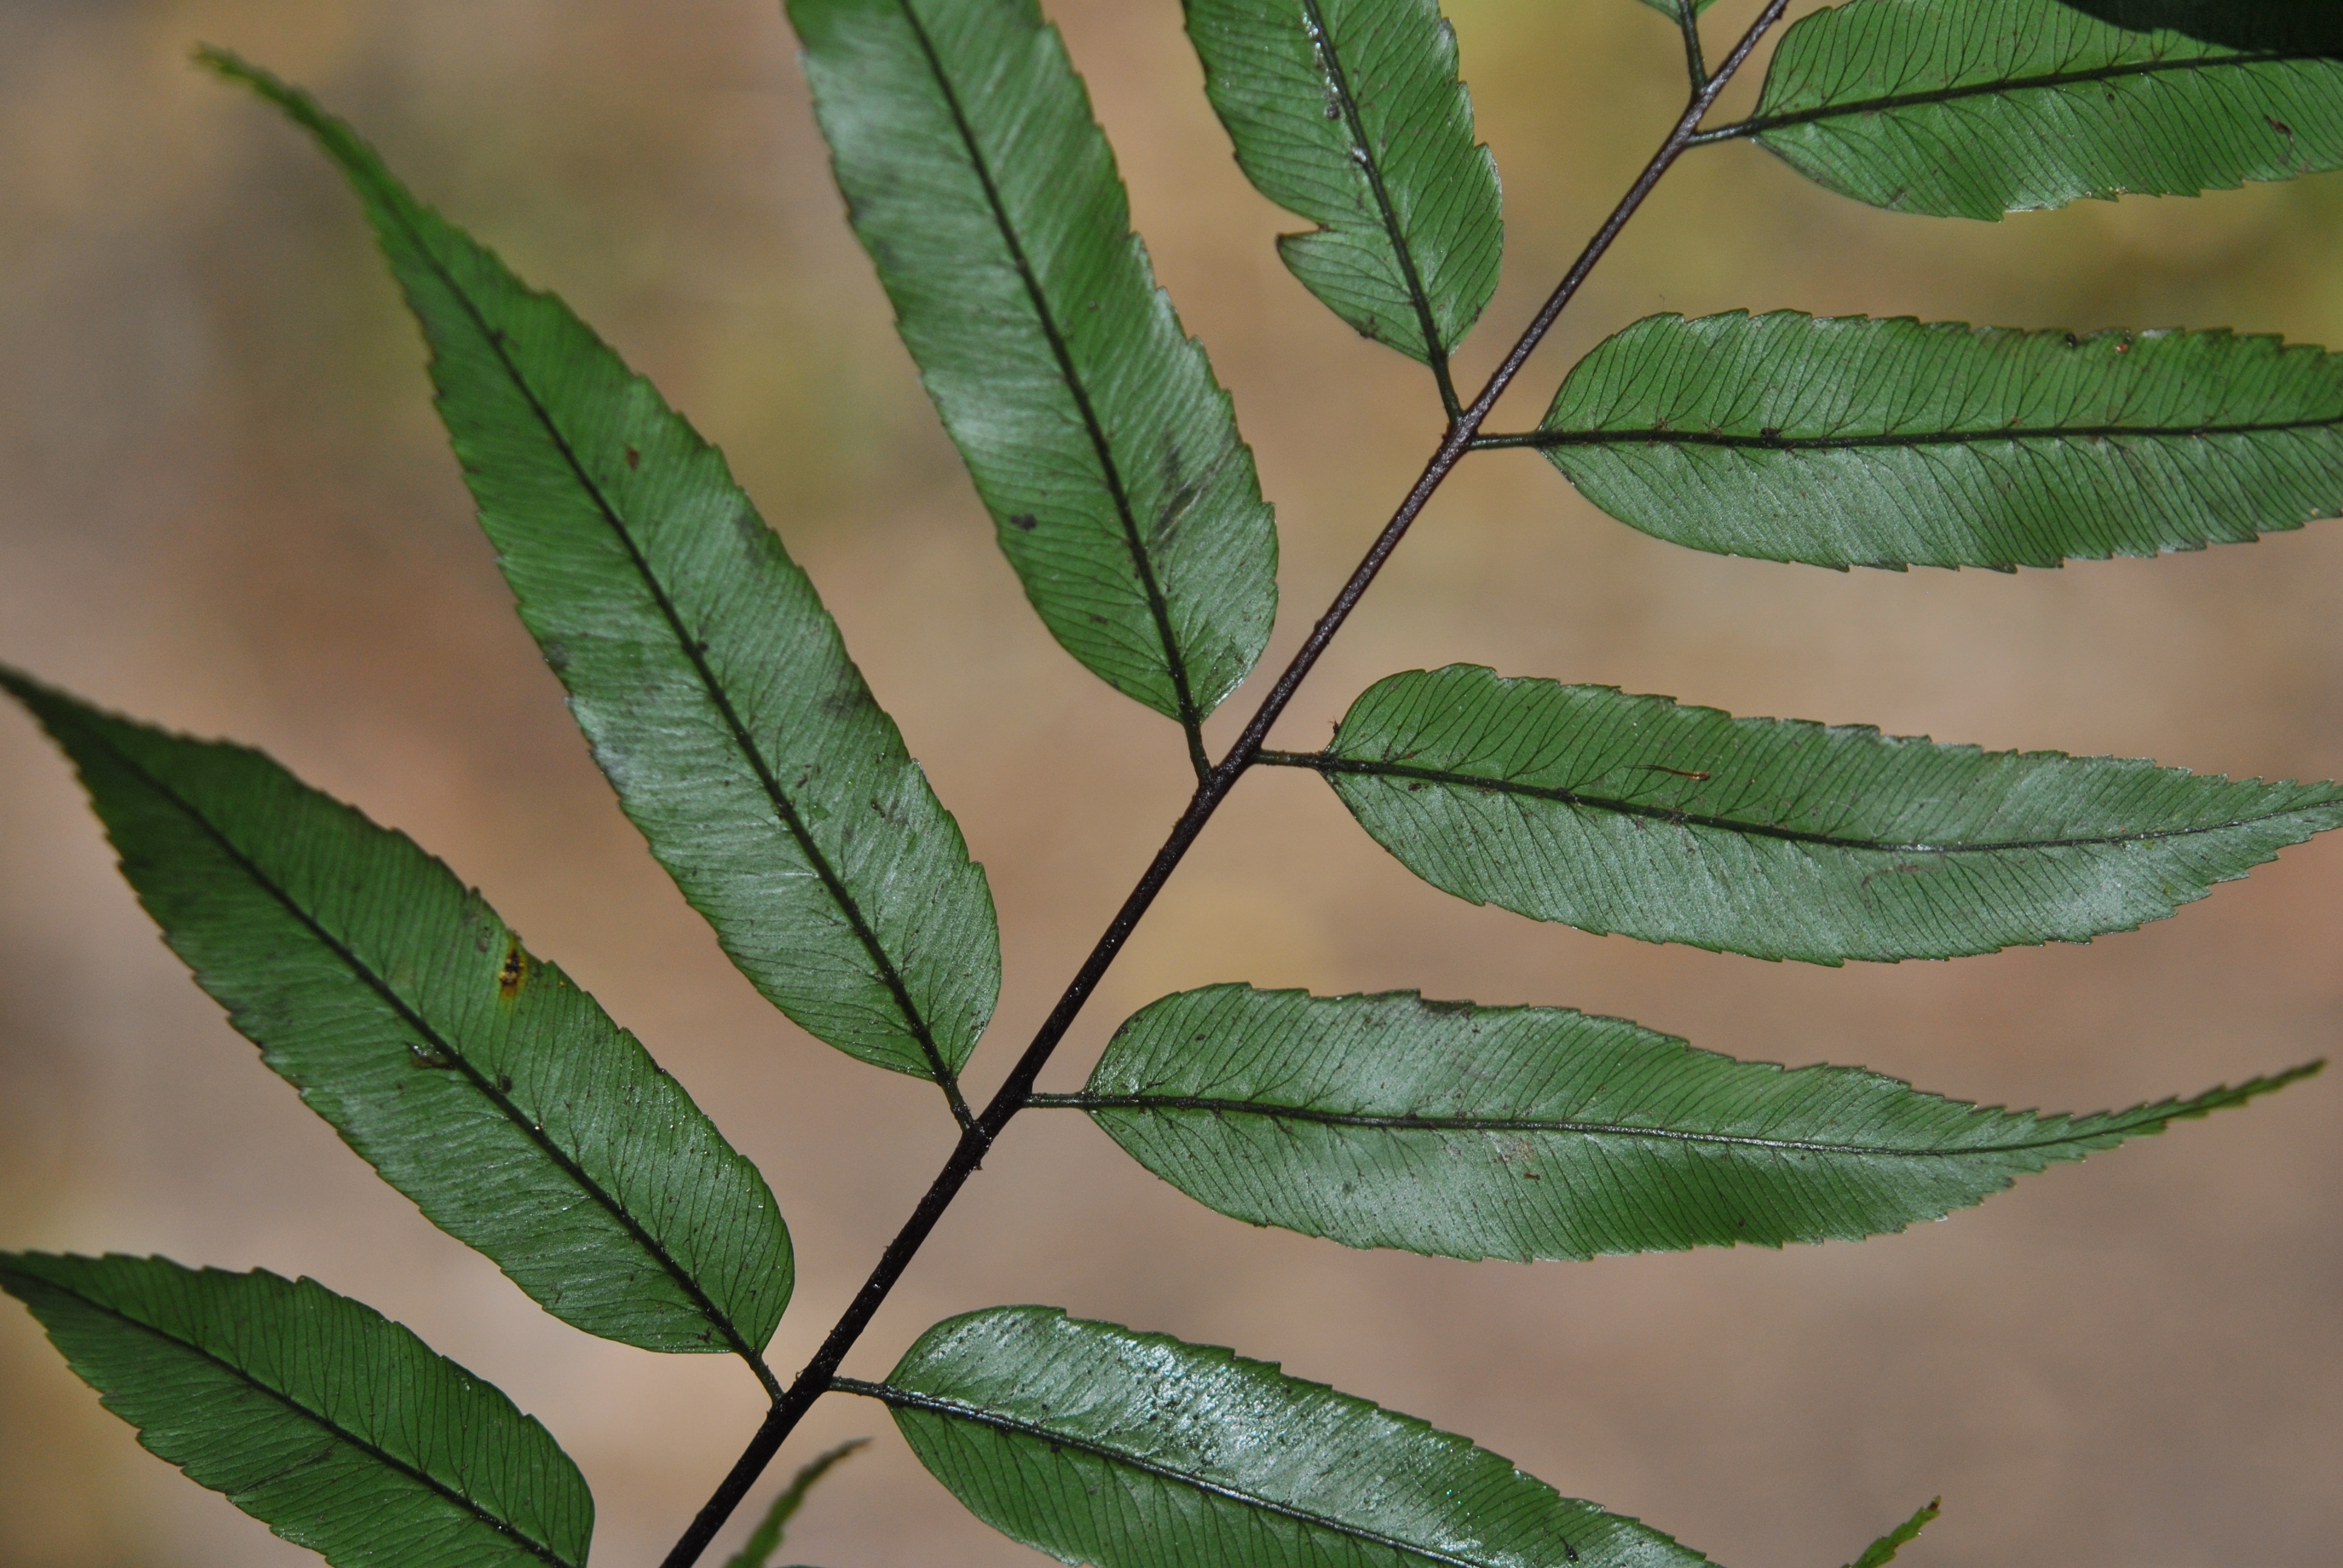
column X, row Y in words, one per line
column 1191, row 718
column 1331, row 62
column 2125, row 1125
column 332, row 1428
column 1324, row 763
column 1759, row 124
column 1762, row 441
column 441, row 1045
column 960, row 1410
column 742, row 740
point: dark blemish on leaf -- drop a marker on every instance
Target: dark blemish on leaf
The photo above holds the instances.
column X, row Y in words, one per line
column 2073, row 341
column 1662, row 767
column 634, row 459
column 752, row 528
column 2280, row 127
column 513, row 974
column 1770, row 433
column 1024, row 522
column 1569, row 1552
column 430, row 1056
column 556, row 655
column 504, row 1082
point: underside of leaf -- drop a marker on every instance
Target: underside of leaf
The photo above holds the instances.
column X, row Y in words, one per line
column 1850, row 441
column 1783, row 839
column 1350, row 114
column 1107, row 453
column 1470, row 1132
column 475, row 1077
column 1100, row 1445
column 713, row 686
column 1972, row 108
column 312, row 1413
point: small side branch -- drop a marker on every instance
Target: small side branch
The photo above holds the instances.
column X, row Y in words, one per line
column 1688, row 17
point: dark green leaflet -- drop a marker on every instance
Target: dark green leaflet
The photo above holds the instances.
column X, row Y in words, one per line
column 1108, row 454
column 1526, row 1132
column 1972, row 108
column 1672, row 9
column 312, row 1413
column 480, row 1081
column 1783, row 839
column 766, row 1539
column 712, row 684
column 1100, row 1445
column 1850, row 441
column 1882, row 1551
column 1349, row 112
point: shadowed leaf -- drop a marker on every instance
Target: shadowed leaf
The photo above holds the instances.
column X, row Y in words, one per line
column 766, row 1539
column 1106, row 452
column 479, row 1080
column 1100, row 1445
column 312, row 1413
column 1349, row 112
column 1882, row 1551
column 712, row 685
column 1850, row 441
column 1524, row 1132
column 1783, row 839
column 1972, row 108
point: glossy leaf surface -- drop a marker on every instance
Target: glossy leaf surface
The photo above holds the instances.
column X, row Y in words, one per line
column 714, row 688
column 1097, row 438
column 1526, row 1132
column 312, row 1413
column 1972, row 108
column 1100, row 1445
column 1349, row 112
column 479, row 1080
column 1851, row 441
column 1779, row 838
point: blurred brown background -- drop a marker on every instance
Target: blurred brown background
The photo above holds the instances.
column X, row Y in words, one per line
column 227, row 506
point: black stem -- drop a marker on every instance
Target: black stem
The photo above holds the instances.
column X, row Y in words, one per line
column 815, row 1380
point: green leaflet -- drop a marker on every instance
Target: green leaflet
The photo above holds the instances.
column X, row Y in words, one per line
column 1972, row 108
column 1349, row 112
column 480, row 1081
column 766, row 1539
column 1672, row 9
column 1882, row 1551
column 1779, row 838
column 312, row 1413
column 1108, row 454
column 1100, row 1445
column 1850, row 441
column 1524, row 1132
column 711, row 683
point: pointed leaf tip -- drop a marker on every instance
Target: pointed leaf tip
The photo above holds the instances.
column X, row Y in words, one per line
column 1882, row 1551
column 1467, row 1131
column 1783, row 839
column 313, row 1413
column 476, row 1079
column 713, row 686
column 766, row 1539
column 1029, row 1417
